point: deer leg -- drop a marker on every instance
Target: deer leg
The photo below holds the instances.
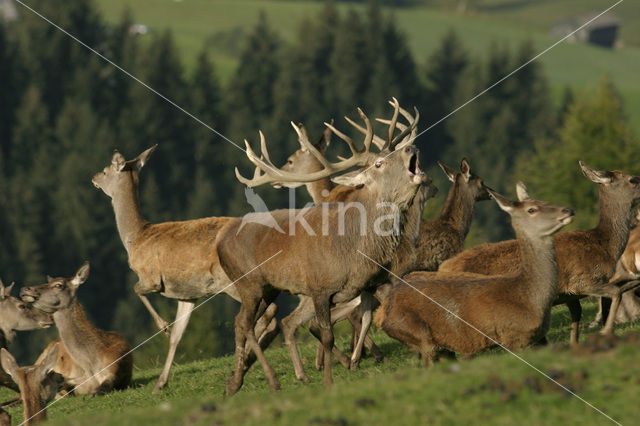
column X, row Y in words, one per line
column 575, row 310
column 242, row 325
column 366, row 301
column 319, row 357
column 340, row 312
column 373, row 348
column 183, row 313
column 253, row 344
column 160, row 322
column 615, row 302
column 597, row 321
column 266, row 328
column 5, row 418
column 321, row 304
column 301, row 314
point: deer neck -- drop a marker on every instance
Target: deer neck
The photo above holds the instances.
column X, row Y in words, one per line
column 317, row 188
column 615, row 222
column 458, row 210
column 539, row 270
column 126, row 206
column 33, row 407
column 76, row 332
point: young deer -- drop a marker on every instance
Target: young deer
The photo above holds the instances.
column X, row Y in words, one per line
column 15, row 315
column 329, row 232
column 92, row 361
column 586, row 259
column 512, row 309
column 38, row 384
column 175, row 259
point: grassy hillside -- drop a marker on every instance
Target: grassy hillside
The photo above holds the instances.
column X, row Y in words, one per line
column 493, row 388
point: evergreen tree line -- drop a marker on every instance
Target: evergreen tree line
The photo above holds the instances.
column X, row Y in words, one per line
column 63, row 110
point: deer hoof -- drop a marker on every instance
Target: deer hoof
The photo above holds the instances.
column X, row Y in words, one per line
column 304, row 379
column 354, row 365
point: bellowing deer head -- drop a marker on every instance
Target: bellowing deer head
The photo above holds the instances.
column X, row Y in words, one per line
column 57, row 293
column 15, row 315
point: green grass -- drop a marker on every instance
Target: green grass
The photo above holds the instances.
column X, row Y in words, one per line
column 494, row 388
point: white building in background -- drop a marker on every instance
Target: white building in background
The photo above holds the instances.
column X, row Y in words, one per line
column 8, row 10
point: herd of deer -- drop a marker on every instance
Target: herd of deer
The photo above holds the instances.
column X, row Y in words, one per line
column 429, row 294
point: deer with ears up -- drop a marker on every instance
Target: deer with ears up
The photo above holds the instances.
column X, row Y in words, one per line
column 443, row 312
column 330, row 232
column 15, row 315
column 90, row 360
column 175, row 259
column 38, row 384
column 586, row 258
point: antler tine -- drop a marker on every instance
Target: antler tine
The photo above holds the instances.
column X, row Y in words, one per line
column 368, row 137
column 414, row 130
column 394, row 120
column 263, row 149
column 304, row 141
column 377, row 140
column 342, row 136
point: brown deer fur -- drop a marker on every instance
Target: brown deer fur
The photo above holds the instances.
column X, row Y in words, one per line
column 15, row 315
column 175, row 259
column 92, row 361
column 343, row 272
column 512, row 309
column 586, row 259
column 38, row 384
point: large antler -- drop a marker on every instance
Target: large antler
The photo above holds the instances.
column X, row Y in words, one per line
column 266, row 172
column 403, row 138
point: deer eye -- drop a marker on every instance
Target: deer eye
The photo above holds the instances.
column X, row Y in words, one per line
column 531, row 210
column 378, row 164
column 21, row 306
column 58, row 285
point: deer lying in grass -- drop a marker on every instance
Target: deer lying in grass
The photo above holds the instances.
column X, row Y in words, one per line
column 175, row 259
column 511, row 309
column 327, row 232
column 15, row 315
column 586, row 259
column 92, row 361
column 38, row 384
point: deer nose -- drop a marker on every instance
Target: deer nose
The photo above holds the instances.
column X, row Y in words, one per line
column 569, row 211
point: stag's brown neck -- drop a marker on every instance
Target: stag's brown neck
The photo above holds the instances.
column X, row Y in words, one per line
column 318, row 188
column 76, row 332
column 615, row 222
column 126, row 206
column 458, row 210
column 538, row 269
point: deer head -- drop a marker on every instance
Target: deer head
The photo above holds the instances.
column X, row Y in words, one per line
column 621, row 186
column 15, row 315
column 531, row 217
column 472, row 186
column 38, row 384
column 120, row 171
column 57, row 293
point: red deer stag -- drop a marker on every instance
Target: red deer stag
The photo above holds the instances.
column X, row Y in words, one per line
column 436, row 312
column 586, row 259
column 38, row 384
column 15, row 315
column 175, row 259
column 320, row 256
column 90, row 360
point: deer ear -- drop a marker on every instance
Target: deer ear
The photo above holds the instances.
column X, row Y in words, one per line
column 521, row 191
column 5, row 291
column 356, row 178
column 465, row 169
column 81, row 275
column 451, row 174
column 595, row 175
column 324, row 142
column 46, row 365
column 504, row 203
column 139, row 162
column 9, row 364
column 117, row 160
column 49, row 278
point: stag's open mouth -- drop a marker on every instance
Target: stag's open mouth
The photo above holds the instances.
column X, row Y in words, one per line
column 414, row 167
column 568, row 218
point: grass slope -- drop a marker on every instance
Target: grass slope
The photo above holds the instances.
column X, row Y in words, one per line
column 493, row 388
